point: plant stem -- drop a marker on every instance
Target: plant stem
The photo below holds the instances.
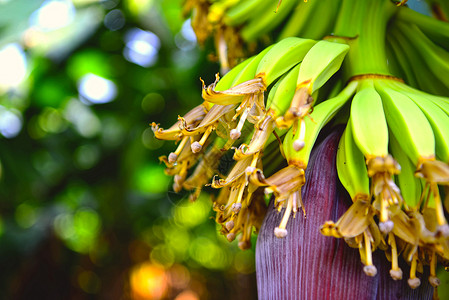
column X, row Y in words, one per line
column 362, row 25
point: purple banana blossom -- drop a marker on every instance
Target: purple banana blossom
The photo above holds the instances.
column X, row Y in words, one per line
column 308, row 265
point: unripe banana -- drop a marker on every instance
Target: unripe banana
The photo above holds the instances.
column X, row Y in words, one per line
column 299, row 19
column 426, row 79
column 351, row 166
column 327, row 10
column 280, row 96
column 242, row 11
column 368, row 123
column 410, row 185
column 436, row 59
column 439, row 121
column 282, row 57
column 320, row 63
column 249, row 71
column 226, row 81
column 266, row 21
column 436, row 30
column 398, row 58
column 405, row 119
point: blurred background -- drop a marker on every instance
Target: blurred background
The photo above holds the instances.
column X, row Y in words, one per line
column 84, row 207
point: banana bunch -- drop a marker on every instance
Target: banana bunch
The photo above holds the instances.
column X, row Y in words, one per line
column 392, row 159
column 289, row 74
column 381, row 70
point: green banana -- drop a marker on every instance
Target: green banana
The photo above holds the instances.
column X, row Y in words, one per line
column 292, row 93
column 410, row 185
column 369, row 127
column 405, row 119
column 284, row 55
column 399, row 61
column 280, row 96
column 436, row 30
column 351, row 167
column 327, row 10
column 249, row 71
column 425, row 78
column 267, row 20
column 299, row 19
column 243, row 10
column 227, row 80
column 437, row 118
column 436, row 58
column 320, row 63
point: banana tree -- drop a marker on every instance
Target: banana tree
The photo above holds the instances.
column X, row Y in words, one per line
column 322, row 101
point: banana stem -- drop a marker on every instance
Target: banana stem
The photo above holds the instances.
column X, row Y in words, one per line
column 362, row 25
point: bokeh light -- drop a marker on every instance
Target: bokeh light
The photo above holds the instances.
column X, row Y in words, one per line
column 14, row 66
column 141, row 47
column 53, row 14
column 148, row 281
column 10, row 122
column 192, row 214
column 79, row 230
column 114, row 20
column 186, row 38
column 96, row 89
column 81, row 116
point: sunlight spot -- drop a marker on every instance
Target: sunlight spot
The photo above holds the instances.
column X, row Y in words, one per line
column 96, row 89
column 141, row 47
column 53, row 14
column 10, row 123
column 13, row 64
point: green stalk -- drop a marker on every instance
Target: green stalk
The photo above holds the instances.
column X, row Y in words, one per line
column 362, row 25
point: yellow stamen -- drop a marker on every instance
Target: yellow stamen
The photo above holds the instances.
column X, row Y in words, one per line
column 198, row 146
column 230, row 236
column 280, row 231
column 369, row 268
column 229, row 225
column 413, row 281
column 438, row 205
column 237, row 204
column 395, row 272
column 433, row 279
column 172, row 157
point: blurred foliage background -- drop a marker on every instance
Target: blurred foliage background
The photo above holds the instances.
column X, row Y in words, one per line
column 84, row 209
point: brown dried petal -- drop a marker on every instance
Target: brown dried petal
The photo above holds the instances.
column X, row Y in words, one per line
column 405, row 228
column 261, row 135
column 233, row 95
column 192, row 118
column 356, row 219
column 212, row 117
column 237, row 171
column 434, row 171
